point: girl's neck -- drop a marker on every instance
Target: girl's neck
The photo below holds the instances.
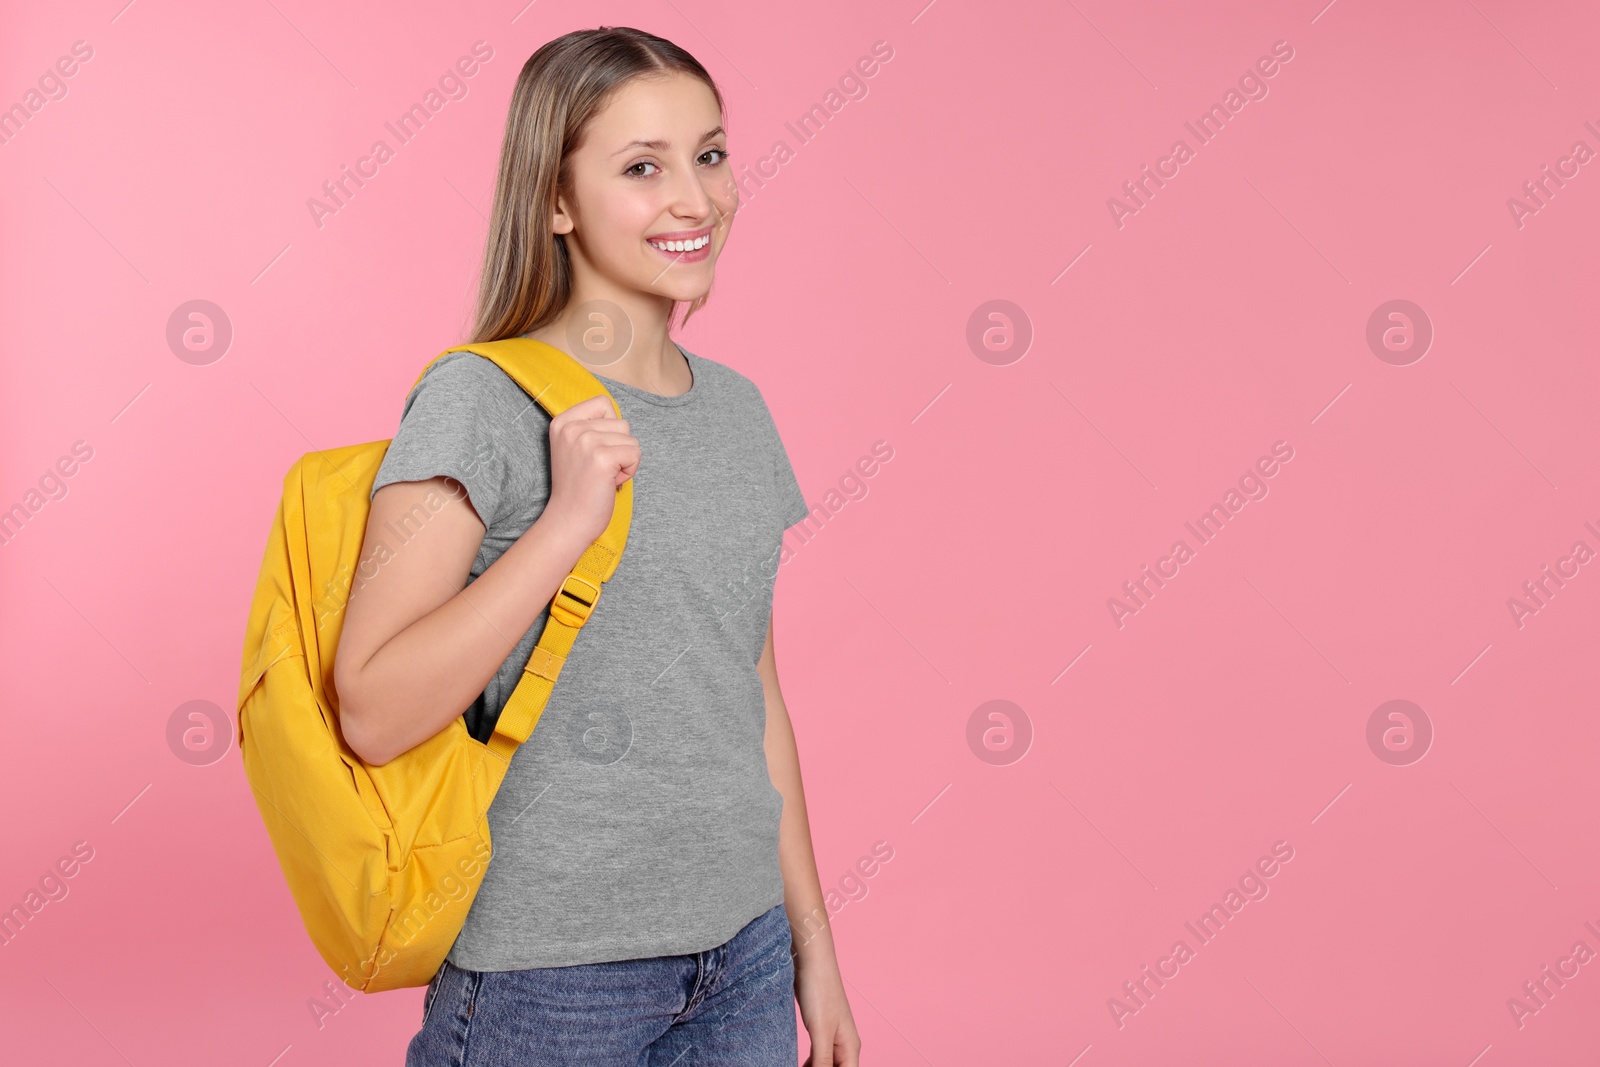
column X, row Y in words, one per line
column 654, row 367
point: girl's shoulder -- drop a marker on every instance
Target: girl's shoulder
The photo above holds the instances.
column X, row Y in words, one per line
column 725, row 380
column 467, row 370
column 467, row 380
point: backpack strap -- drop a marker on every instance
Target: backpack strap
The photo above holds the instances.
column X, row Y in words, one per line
column 556, row 382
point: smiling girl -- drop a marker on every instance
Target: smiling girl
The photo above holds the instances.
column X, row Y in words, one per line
column 653, row 897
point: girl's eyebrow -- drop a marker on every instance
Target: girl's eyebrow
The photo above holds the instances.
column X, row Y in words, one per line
column 660, row 145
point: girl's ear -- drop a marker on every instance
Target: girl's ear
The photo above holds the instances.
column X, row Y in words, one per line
column 560, row 221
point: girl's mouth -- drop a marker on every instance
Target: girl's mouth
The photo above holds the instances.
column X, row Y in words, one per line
column 690, row 249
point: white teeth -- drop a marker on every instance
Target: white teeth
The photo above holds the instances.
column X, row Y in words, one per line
column 682, row 246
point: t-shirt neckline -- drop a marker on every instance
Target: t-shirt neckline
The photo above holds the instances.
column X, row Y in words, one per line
column 696, row 373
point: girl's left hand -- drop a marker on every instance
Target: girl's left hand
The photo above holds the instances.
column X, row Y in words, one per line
column 826, row 1012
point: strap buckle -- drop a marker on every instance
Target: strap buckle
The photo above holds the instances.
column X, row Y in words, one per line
column 572, row 607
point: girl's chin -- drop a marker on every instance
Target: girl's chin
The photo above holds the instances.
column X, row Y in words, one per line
column 685, row 296
column 679, row 288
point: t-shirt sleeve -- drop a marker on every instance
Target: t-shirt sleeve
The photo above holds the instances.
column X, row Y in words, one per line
column 451, row 426
column 791, row 500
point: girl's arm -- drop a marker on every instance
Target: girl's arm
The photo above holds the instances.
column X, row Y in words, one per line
column 819, row 987
column 418, row 644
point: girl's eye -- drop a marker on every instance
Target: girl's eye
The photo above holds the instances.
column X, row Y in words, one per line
column 720, row 153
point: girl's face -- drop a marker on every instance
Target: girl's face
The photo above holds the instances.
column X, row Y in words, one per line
column 652, row 169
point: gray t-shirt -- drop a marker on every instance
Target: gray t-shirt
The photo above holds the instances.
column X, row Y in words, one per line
column 638, row 819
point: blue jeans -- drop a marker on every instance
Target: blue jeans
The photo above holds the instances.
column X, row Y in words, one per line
column 729, row 1005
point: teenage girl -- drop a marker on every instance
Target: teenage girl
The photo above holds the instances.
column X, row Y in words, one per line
column 653, row 897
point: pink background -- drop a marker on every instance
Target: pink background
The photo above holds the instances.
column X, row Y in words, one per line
column 1229, row 313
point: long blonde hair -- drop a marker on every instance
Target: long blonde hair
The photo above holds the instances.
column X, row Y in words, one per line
column 527, row 275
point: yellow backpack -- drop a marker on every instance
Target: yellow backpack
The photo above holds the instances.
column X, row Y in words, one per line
column 384, row 862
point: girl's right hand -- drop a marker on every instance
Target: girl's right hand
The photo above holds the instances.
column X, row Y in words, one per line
column 591, row 454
